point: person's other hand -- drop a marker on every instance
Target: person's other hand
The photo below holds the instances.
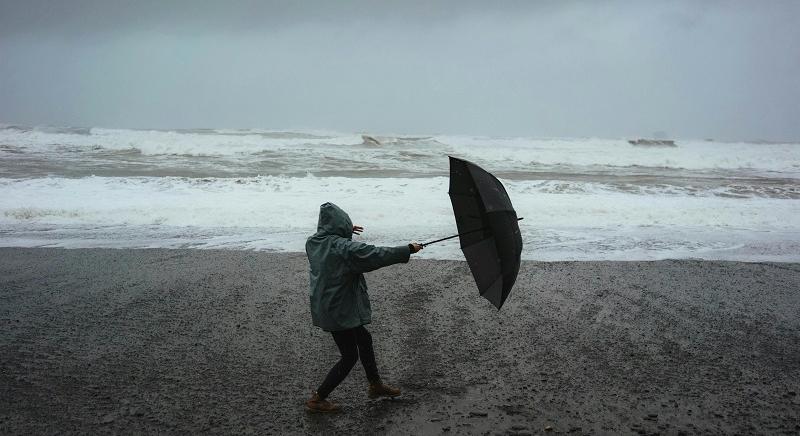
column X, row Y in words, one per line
column 414, row 247
column 357, row 230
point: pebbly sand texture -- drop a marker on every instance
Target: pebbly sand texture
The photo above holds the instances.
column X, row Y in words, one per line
column 186, row 341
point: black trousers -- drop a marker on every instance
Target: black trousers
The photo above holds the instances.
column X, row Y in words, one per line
column 352, row 343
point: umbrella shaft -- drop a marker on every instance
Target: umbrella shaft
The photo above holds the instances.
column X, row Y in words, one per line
column 460, row 234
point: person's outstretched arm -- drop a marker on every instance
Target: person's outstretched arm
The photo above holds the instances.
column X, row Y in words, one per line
column 363, row 257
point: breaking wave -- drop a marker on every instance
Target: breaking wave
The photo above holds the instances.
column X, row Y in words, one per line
column 582, row 198
column 502, row 154
column 563, row 220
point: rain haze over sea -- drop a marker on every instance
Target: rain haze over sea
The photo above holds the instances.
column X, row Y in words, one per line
column 545, row 95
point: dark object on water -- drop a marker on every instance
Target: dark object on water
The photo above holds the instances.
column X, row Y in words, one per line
column 369, row 140
column 488, row 229
column 653, row 142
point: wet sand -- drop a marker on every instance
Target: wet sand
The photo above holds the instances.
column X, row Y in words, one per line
column 187, row 341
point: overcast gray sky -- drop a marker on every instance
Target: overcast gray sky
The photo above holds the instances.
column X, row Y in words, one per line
column 694, row 69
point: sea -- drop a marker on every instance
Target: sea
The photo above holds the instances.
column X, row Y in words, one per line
column 251, row 189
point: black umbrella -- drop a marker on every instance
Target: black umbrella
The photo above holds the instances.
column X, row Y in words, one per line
column 487, row 229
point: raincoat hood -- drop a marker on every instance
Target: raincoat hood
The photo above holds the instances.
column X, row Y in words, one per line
column 334, row 221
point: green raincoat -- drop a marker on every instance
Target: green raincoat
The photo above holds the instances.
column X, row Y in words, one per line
column 339, row 299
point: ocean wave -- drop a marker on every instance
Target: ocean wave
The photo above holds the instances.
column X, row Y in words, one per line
column 618, row 153
column 787, row 190
column 399, row 152
column 31, row 213
column 563, row 219
column 391, row 203
column 48, row 129
column 157, row 142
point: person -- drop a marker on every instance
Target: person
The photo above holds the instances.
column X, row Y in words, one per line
column 339, row 301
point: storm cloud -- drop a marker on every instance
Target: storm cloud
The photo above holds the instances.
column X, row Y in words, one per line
column 727, row 70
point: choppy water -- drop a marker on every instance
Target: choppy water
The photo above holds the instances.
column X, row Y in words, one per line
column 257, row 189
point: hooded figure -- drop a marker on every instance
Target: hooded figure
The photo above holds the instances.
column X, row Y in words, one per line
column 339, row 299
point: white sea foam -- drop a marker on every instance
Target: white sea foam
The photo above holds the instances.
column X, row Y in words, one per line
column 411, row 153
column 689, row 154
column 592, row 222
column 156, row 142
column 581, row 198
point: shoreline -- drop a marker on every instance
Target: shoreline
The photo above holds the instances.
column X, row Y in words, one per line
column 454, row 256
column 170, row 340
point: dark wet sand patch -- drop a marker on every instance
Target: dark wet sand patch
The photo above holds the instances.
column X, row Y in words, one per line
column 185, row 341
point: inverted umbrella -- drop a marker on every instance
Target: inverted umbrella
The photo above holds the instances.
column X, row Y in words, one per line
column 487, row 229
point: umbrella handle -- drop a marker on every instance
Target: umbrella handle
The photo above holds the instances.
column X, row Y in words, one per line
column 460, row 234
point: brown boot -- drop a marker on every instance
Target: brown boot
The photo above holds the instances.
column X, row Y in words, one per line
column 317, row 404
column 381, row 389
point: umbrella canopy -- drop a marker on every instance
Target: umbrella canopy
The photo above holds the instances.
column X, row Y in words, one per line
column 487, row 227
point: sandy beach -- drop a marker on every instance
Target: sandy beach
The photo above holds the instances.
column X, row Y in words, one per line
column 187, row 341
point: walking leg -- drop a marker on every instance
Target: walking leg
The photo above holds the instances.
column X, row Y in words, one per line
column 348, row 348
column 367, row 354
